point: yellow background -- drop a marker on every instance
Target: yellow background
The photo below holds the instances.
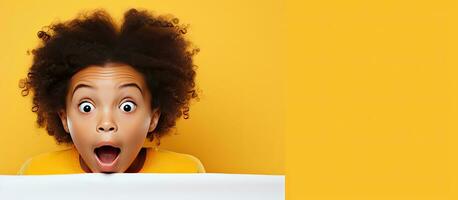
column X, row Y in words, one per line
column 371, row 92
column 238, row 124
column 372, row 99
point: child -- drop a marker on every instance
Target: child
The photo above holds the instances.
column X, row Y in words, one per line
column 103, row 89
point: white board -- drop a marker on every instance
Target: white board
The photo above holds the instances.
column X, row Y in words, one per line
column 142, row 186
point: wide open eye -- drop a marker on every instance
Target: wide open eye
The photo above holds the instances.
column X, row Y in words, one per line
column 128, row 106
column 86, row 107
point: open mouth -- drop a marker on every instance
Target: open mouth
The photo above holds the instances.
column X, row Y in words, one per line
column 107, row 154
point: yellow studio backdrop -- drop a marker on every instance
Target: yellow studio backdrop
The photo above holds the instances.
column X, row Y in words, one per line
column 372, row 100
column 371, row 92
column 238, row 124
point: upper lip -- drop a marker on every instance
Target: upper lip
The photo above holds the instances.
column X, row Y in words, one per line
column 106, row 143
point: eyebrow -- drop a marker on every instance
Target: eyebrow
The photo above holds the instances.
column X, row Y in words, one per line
column 82, row 85
column 131, row 85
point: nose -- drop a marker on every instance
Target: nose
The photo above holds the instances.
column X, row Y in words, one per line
column 106, row 127
column 106, row 123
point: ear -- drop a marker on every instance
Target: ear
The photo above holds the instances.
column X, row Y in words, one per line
column 63, row 119
column 154, row 120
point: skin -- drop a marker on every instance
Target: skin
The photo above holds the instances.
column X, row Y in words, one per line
column 101, row 89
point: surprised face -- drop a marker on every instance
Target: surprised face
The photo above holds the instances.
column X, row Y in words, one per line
column 108, row 115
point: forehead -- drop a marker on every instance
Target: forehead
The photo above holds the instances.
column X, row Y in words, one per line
column 108, row 74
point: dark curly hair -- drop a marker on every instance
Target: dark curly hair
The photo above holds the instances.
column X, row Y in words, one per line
column 153, row 45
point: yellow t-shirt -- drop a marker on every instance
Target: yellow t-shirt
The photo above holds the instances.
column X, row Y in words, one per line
column 67, row 162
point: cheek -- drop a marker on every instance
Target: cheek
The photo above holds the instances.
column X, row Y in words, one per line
column 134, row 127
column 81, row 130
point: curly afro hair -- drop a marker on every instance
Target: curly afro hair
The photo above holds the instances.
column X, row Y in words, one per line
column 153, row 45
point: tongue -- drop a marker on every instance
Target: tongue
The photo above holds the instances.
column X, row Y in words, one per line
column 107, row 155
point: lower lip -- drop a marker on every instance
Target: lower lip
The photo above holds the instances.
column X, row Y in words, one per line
column 107, row 167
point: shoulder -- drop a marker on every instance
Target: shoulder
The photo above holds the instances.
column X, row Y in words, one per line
column 166, row 161
column 55, row 162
